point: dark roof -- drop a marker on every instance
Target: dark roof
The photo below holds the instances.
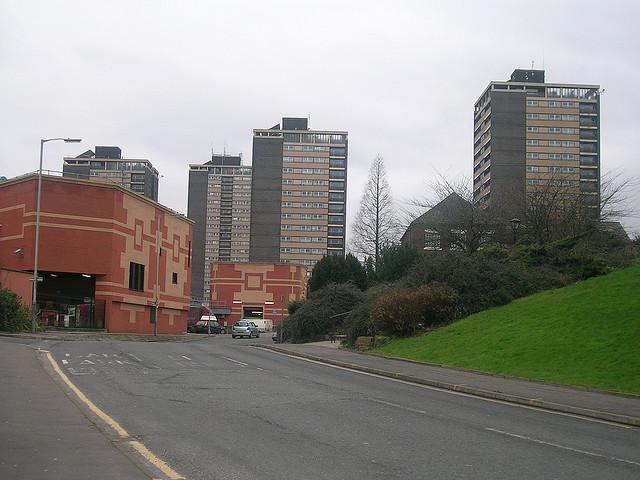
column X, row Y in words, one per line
column 87, row 154
column 445, row 211
column 449, row 211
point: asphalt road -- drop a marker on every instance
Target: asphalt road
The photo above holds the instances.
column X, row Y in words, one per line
column 222, row 409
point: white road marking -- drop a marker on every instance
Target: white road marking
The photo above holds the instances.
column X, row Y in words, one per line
column 186, row 358
column 82, row 371
column 261, row 369
column 236, row 361
column 134, row 357
column 87, row 362
column 451, row 392
column 65, row 362
column 395, row 405
column 67, row 354
column 563, row 447
column 139, row 447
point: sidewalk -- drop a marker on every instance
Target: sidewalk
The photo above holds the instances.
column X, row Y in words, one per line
column 618, row 408
column 43, row 434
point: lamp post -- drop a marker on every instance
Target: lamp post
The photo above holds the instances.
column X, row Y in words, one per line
column 281, row 319
column 156, row 296
column 34, row 295
column 515, row 224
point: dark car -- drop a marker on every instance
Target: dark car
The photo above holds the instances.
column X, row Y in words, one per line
column 203, row 326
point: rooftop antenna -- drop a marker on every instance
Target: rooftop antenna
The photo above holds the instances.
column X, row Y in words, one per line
column 533, row 62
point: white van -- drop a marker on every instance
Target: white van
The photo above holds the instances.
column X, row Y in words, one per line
column 263, row 324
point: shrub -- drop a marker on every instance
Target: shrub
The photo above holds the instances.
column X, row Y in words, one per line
column 393, row 263
column 337, row 269
column 323, row 312
column 294, row 305
column 402, row 311
column 395, row 313
column 14, row 316
column 357, row 323
column 481, row 283
column 437, row 303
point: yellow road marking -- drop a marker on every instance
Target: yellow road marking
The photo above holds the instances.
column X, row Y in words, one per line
column 139, row 447
column 162, row 466
column 92, row 406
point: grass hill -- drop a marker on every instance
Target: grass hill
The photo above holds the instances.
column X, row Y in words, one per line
column 585, row 334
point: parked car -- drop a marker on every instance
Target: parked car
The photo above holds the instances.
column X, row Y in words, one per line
column 264, row 324
column 206, row 326
column 244, row 328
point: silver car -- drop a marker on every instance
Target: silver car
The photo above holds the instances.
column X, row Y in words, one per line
column 245, row 329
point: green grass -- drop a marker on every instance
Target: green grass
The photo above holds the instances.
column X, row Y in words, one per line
column 585, row 334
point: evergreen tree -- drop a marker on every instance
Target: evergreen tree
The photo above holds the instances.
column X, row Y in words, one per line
column 338, row 269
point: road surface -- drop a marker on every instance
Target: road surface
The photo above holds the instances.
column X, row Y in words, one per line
column 222, row 409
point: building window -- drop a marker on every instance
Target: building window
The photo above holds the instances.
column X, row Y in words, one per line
column 174, row 278
column 136, row 276
column 431, row 240
column 553, row 92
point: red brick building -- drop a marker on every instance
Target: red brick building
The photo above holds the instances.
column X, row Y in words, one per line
column 256, row 290
column 97, row 255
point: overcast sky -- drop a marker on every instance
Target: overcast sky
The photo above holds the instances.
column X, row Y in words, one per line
column 169, row 80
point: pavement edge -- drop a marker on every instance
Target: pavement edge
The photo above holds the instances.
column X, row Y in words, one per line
column 505, row 397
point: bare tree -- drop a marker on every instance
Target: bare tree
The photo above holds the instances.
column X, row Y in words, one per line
column 616, row 191
column 556, row 207
column 465, row 225
column 376, row 224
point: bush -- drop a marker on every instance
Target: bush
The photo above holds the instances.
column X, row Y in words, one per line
column 357, row 323
column 294, row 305
column 322, row 312
column 437, row 304
column 393, row 263
column 402, row 311
column 480, row 282
column 337, row 269
column 14, row 316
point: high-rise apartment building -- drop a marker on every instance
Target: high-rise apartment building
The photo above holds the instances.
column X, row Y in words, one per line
column 299, row 192
column 106, row 163
column 220, row 204
column 529, row 134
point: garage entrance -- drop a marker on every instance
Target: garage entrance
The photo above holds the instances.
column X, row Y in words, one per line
column 67, row 300
column 252, row 312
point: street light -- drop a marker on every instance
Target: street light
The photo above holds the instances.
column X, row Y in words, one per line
column 515, row 224
column 34, row 299
column 281, row 319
